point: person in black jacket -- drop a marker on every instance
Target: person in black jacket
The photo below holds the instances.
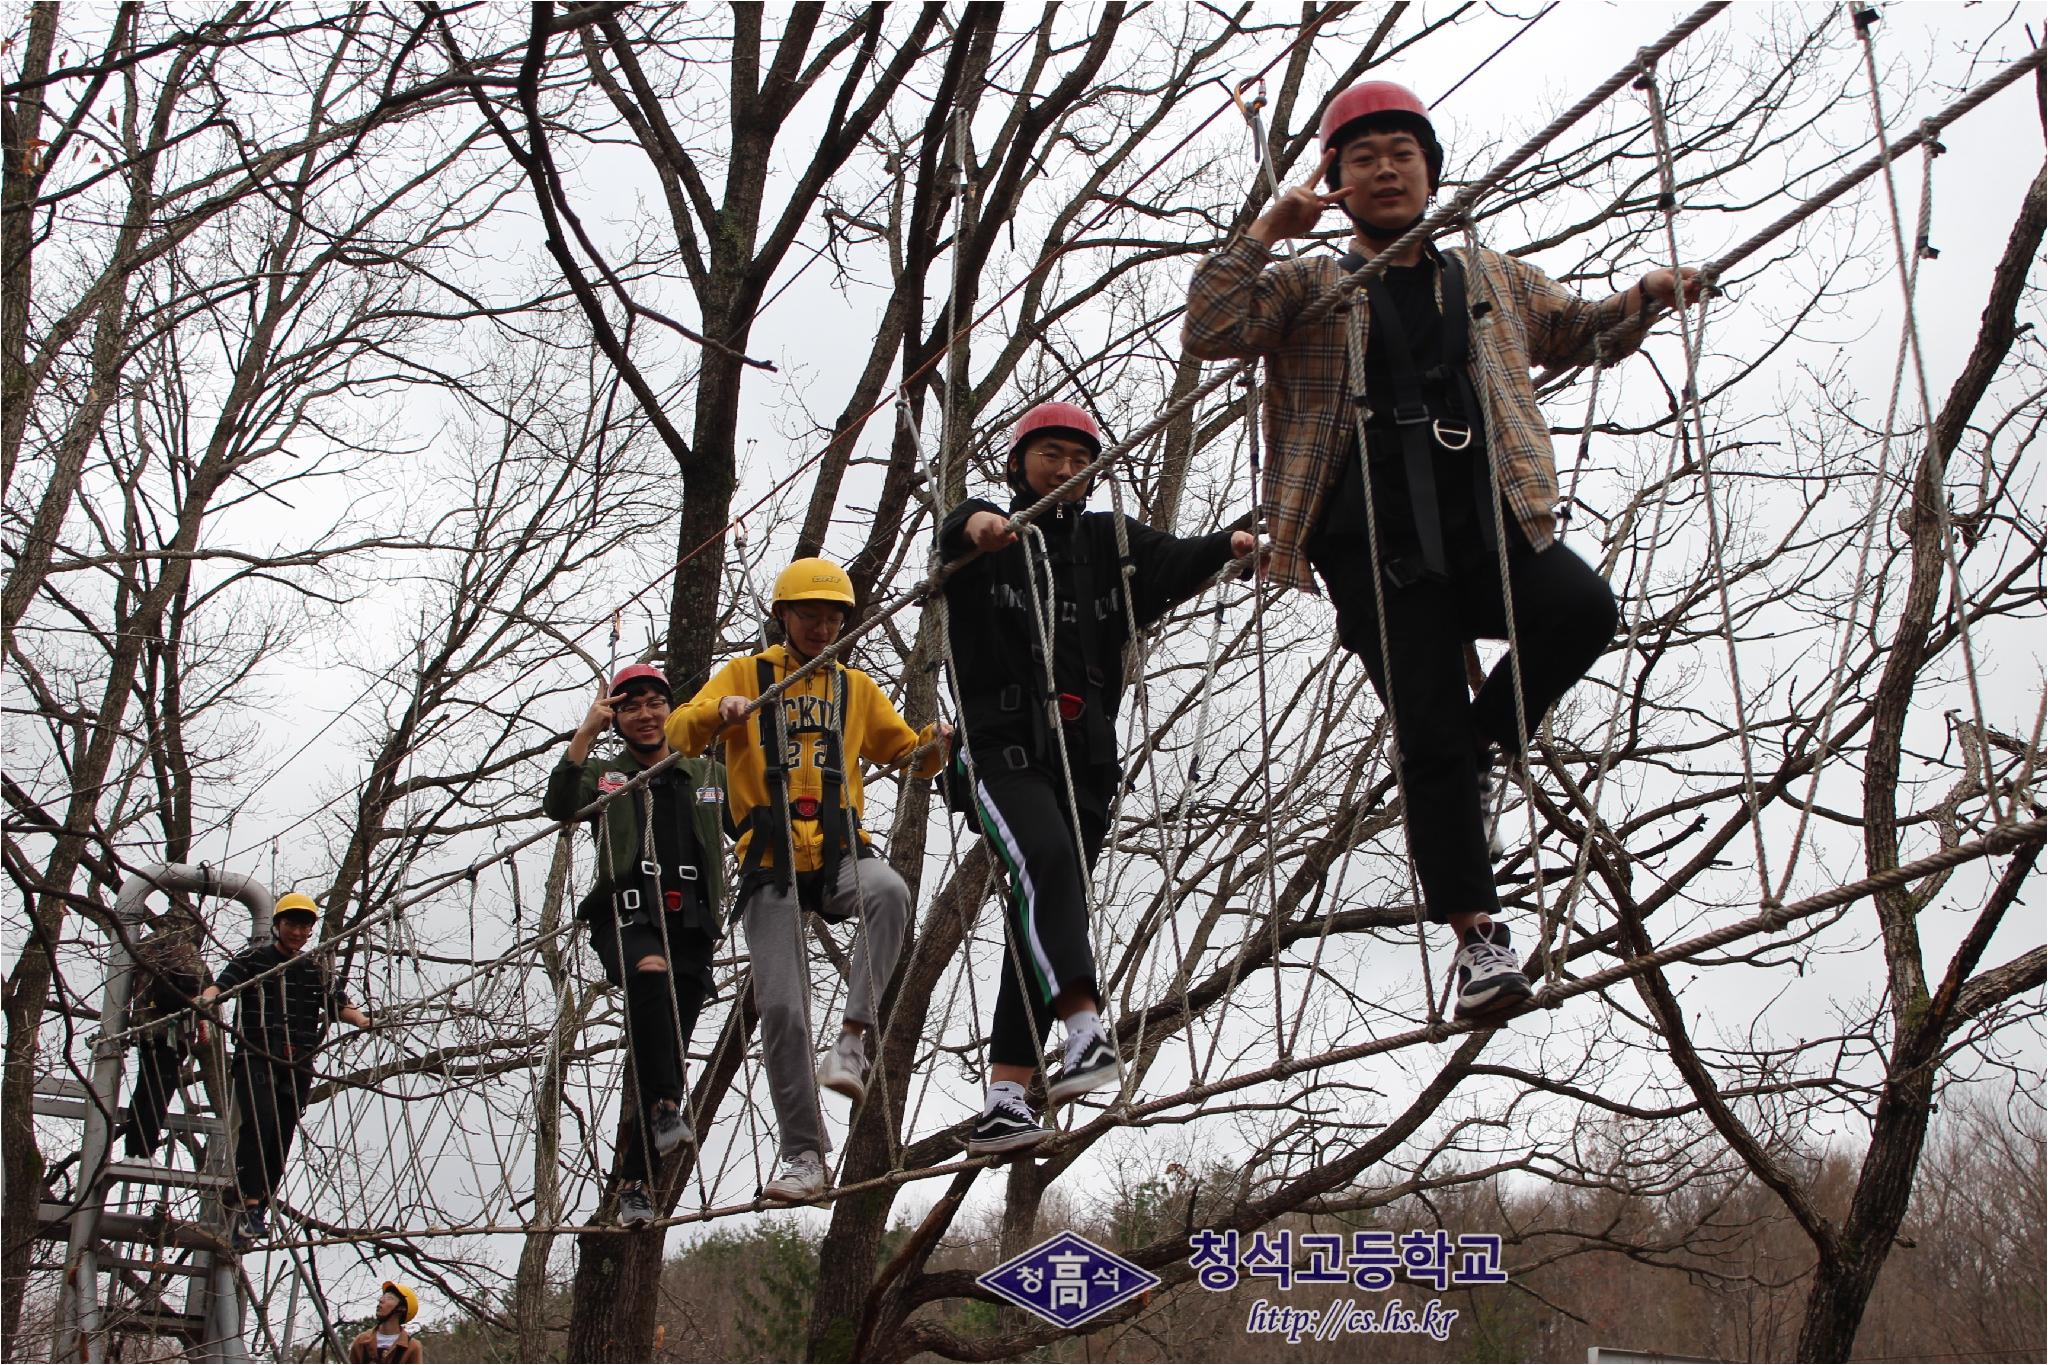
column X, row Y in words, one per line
column 660, row 957
column 284, row 1002
column 170, row 974
column 1034, row 726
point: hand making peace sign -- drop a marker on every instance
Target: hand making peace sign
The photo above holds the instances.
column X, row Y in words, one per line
column 1298, row 209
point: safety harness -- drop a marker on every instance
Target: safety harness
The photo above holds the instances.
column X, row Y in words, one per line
column 1061, row 712
column 1422, row 430
column 637, row 904
column 840, row 824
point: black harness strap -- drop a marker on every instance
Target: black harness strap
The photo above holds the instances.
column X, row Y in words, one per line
column 1423, row 430
column 774, row 821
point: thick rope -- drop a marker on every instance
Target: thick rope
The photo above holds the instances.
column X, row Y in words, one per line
column 1944, row 527
column 2003, row 839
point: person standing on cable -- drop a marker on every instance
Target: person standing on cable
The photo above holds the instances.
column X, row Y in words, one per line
column 284, row 998
column 1051, row 602
column 1448, row 339
column 653, row 908
column 796, row 801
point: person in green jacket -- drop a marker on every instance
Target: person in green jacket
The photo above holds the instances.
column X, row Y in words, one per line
column 653, row 910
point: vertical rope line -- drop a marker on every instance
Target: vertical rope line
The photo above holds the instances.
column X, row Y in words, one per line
column 1957, row 600
column 777, row 712
column 1251, row 402
column 632, row 1068
column 1689, row 398
column 1354, row 352
column 1175, row 854
column 864, row 950
column 1012, row 905
column 1133, row 664
column 1519, row 761
column 1838, row 674
column 944, row 627
column 1571, row 497
column 1046, row 615
column 1343, row 868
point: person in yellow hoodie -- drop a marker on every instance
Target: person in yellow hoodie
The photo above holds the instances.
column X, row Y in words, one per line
column 794, row 792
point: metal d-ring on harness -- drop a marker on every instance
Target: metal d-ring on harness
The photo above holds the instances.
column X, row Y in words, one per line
column 1421, row 428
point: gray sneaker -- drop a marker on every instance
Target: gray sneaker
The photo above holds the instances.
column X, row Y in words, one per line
column 671, row 1129
column 802, row 1180
column 845, row 1068
column 635, row 1207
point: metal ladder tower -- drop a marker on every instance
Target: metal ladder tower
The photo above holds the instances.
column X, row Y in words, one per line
column 109, row 1233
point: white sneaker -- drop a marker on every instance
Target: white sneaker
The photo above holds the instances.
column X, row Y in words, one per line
column 845, row 1068
column 802, row 1180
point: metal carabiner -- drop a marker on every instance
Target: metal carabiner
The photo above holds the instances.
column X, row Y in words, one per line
column 1258, row 101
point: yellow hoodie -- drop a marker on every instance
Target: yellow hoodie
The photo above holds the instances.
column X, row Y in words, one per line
column 871, row 731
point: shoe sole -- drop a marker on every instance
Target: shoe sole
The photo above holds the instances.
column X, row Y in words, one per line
column 787, row 1196
column 1012, row 1143
column 843, row 1085
column 686, row 1138
column 1503, row 1002
column 1080, row 1083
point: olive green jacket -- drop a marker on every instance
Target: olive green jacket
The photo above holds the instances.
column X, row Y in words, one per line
column 572, row 786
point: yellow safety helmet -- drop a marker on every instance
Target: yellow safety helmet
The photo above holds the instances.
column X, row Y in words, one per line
column 814, row 580
column 406, row 1297
column 295, row 902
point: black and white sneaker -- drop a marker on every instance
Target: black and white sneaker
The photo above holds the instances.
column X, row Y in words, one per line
column 1090, row 1064
column 1490, row 980
column 1008, row 1125
column 671, row 1129
column 635, row 1207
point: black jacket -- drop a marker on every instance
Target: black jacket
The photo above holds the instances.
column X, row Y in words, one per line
column 998, row 648
column 285, row 1014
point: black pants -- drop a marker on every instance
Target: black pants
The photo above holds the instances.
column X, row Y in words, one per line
column 1564, row 616
column 157, row 1060
column 1024, row 812
column 661, row 1011
column 272, row 1096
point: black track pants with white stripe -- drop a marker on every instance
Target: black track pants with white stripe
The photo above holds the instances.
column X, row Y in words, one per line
column 1024, row 813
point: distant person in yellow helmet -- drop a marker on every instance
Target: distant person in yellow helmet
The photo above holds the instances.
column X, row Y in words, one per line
column 387, row 1338
column 795, row 797
column 285, row 999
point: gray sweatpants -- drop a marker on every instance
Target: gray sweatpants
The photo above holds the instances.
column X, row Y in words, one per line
column 868, row 889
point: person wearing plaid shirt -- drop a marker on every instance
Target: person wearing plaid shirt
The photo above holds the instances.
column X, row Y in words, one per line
column 1459, row 460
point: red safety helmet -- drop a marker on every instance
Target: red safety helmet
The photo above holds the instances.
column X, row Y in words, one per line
column 1067, row 419
column 1387, row 103
column 633, row 673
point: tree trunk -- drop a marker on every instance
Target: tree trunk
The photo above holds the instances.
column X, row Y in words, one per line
column 529, row 1293
column 1884, row 1186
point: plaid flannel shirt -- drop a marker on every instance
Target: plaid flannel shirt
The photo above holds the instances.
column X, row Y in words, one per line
column 1243, row 302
